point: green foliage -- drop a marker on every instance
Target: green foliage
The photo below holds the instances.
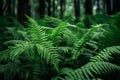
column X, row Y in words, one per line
column 107, row 54
column 108, row 36
column 92, row 70
column 80, row 44
column 55, row 35
column 117, row 20
column 34, row 48
column 99, row 66
column 49, row 22
column 101, row 19
column 60, row 51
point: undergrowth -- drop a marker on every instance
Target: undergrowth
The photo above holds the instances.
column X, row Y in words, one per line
column 51, row 49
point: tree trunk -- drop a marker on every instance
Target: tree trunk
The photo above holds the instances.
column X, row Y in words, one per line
column 49, row 7
column 62, row 8
column 88, row 7
column 104, row 8
column 42, row 8
column 1, row 7
column 53, row 8
column 9, row 8
column 77, row 9
column 98, row 6
column 13, row 8
column 109, row 7
column 23, row 9
column 116, row 6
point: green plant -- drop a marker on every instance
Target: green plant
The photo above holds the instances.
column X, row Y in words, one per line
column 63, row 52
column 92, row 70
column 98, row 66
column 31, row 51
column 80, row 44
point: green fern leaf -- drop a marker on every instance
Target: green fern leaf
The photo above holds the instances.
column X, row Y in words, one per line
column 107, row 54
column 92, row 70
column 48, row 55
column 80, row 44
column 59, row 29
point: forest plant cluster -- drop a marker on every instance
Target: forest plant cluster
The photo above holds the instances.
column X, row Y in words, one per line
column 52, row 49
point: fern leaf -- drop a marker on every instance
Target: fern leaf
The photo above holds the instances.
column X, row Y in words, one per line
column 9, row 70
column 106, row 54
column 13, row 53
column 55, row 35
column 59, row 29
column 37, row 34
column 69, row 37
column 14, row 42
column 92, row 70
column 48, row 55
column 80, row 44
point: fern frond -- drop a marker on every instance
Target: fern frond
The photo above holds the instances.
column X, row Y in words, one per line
column 107, row 54
column 62, row 72
column 38, row 34
column 55, row 36
column 64, row 49
column 80, row 44
column 59, row 29
column 109, row 37
column 24, row 72
column 9, row 70
column 13, row 53
column 35, row 31
column 69, row 37
column 48, row 55
column 97, row 79
column 92, row 70
column 14, row 42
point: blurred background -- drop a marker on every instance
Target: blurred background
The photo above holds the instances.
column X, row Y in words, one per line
column 71, row 10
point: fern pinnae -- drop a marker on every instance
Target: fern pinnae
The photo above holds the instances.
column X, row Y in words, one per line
column 19, row 49
column 48, row 56
column 80, row 44
column 55, row 36
column 106, row 54
column 5, row 55
column 59, row 29
column 14, row 42
column 35, row 31
column 92, row 70
column 69, row 37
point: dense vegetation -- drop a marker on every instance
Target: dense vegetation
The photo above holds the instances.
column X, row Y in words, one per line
column 86, row 47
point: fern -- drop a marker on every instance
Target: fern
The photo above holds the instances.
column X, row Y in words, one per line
column 36, row 32
column 97, row 79
column 49, row 21
column 25, row 72
column 48, row 55
column 55, row 35
column 62, row 72
column 9, row 70
column 69, row 37
column 64, row 50
column 38, row 51
column 80, row 44
column 37, row 43
column 109, row 37
column 59, row 29
column 92, row 70
column 107, row 54
column 13, row 53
